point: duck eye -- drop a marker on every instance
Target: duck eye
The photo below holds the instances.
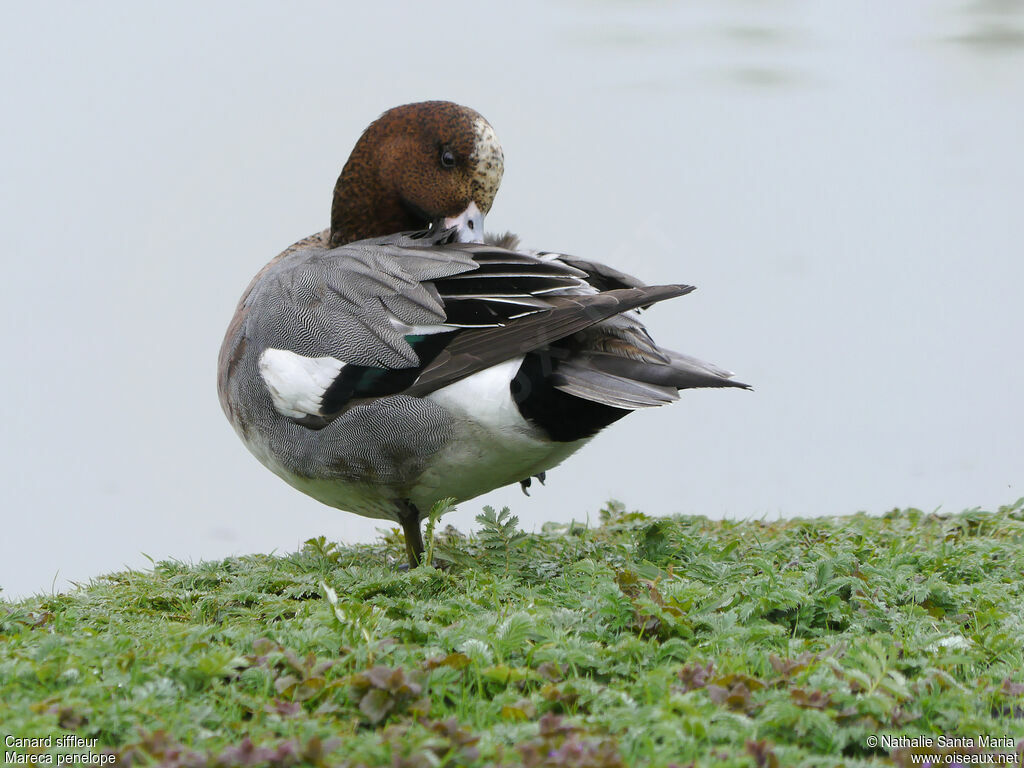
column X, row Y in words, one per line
column 447, row 158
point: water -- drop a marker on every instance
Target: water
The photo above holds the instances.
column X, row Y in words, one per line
column 843, row 184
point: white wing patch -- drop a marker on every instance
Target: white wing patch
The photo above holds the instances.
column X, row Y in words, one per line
column 297, row 383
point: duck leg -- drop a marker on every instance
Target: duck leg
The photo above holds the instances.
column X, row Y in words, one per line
column 409, row 517
column 525, row 484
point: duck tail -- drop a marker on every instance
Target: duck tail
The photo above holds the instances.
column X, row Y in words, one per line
column 627, row 383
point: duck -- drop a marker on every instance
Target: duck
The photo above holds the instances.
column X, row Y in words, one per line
column 400, row 358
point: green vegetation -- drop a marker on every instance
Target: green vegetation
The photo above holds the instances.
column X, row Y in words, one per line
column 641, row 641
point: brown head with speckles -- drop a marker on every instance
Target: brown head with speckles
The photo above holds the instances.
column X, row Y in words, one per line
column 434, row 162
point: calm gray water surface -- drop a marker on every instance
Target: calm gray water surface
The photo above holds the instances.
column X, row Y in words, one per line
column 842, row 182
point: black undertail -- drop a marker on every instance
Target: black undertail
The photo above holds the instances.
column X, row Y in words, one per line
column 563, row 417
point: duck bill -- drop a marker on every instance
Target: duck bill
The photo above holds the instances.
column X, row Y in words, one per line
column 468, row 225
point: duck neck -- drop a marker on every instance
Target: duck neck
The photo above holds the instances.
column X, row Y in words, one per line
column 367, row 202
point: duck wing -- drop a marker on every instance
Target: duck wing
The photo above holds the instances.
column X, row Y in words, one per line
column 408, row 314
column 616, row 362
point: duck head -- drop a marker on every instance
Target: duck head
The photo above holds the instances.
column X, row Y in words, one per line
column 433, row 163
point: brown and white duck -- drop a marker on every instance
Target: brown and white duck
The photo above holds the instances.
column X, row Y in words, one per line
column 395, row 359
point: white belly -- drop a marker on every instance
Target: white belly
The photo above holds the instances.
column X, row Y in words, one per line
column 493, row 445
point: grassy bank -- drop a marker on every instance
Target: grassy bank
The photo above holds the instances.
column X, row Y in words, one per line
column 640, row 641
